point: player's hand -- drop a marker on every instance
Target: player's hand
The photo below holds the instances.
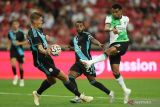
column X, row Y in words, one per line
column 47, row 37
column 115, row 31
column 48, row 51
column 101, row 45
column 17, row 43
column 66, row 48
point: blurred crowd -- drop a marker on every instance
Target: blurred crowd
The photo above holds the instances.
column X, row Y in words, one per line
column 60, row 15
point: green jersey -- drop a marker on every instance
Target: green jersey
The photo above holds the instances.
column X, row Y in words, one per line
column 121, row 26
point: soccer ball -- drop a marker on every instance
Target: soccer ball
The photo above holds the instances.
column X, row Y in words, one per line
column 55, row 50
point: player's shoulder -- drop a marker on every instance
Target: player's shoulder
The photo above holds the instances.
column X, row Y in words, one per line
column 109, row 15
column 20, row 30
column 32, row 32
column 87, row 33
column 10, row 31
column 125, row 18
column 109, row 18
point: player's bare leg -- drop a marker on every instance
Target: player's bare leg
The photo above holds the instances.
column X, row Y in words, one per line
column 13, row 64
column 70, row 86
column 45, row 85
column 72, row 76
column 100, row 86
column 115, row 68
column 21, row 84
column 119, row 79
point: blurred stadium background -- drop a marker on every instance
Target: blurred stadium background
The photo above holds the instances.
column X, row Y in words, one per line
column 59, row 15
column 144, row 26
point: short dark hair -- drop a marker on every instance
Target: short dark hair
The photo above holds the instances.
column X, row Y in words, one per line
column 80, row 21
column 35, row 15
column 15, row 20
column 117, row 6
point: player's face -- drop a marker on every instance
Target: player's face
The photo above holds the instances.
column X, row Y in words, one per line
column 15, row 25
column 117, row 13
column 38, row 22
column 80, row 27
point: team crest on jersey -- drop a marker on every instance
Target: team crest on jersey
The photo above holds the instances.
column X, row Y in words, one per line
column 50, row 69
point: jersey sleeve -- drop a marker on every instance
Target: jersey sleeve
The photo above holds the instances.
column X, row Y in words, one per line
column 90, row 36
column 127, row 18
column 108, row 19
column 22, row 36
column 127, row 21
column 35, row 39
column 9, row 36
column 71, row 43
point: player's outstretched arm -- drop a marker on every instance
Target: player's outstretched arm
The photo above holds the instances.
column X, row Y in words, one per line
column 96, row 42
column 67, row 47
column 108, row 28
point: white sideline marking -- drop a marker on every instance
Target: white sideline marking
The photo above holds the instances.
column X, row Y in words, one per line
column 62, row 96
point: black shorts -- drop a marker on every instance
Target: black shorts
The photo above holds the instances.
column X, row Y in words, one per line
column 121, row 48
column 80, row 69
column 47, row 66
column 19, row 58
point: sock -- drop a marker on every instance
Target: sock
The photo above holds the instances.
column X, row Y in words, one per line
column 14, row 70
column 70, row 86
column 72, row 79
column 45, row 84
column 121, row 83
column 21, row 73
column 100, row 86
column 116, row 75
column 99, row 58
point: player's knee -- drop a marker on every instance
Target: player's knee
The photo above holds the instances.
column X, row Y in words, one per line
column 61, row 76
column 71, row 77
column 13, row 63
column 73, row 74
column 107, row 52
column 110, row 51
column 52, row 81
column 20, row 66
column 115, row 70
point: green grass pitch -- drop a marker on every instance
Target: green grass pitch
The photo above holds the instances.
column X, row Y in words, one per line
column 145, row 93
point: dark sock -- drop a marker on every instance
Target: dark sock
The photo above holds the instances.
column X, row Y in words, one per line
column 106, row 54
column 100, row 86
column 14, row 70
column 21, row 73
column 117, row 75
column 70, row 86
column 72, row 79
column 45, row 84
